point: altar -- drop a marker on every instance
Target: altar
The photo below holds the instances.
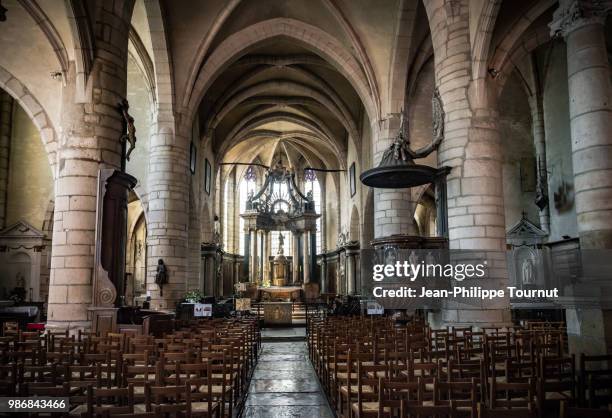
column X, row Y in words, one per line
column 289, row 293
column 278, row 313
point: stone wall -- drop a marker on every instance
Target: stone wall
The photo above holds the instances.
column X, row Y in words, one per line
column 558, row 140
column 30, row 182
column 140, row 109
column 519, row 167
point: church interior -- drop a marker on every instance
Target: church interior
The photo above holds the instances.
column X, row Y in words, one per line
column 193, row 196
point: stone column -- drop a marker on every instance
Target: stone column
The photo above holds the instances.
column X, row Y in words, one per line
column 393, row 208
column 323, row 278
column 89, row 141
column 350, row 271
column 306, row 255
column 539, row 142
column 6, row 116
column 472, row 148
column 254, row 252
column 168, row 208
column 208, row 268
column 266, row 255
column 582, row 24
column 295, row 268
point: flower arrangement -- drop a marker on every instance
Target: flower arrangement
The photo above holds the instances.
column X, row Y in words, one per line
column 193, row 296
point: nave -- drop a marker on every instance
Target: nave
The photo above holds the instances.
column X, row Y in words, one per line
column 284, row 383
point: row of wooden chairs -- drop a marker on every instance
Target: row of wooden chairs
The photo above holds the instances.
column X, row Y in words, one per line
column 200, row 369
column 364, row 361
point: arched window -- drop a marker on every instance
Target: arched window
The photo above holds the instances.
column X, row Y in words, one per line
column 226, row 215
column 311, row 184
column 248, row 185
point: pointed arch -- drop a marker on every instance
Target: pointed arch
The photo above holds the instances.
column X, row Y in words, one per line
column 48, row 134
column 310, row 36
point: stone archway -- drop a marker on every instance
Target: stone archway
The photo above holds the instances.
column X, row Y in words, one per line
column 136, row 252
column 19, row 92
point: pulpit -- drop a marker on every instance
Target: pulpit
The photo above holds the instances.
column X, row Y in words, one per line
column 109, row 258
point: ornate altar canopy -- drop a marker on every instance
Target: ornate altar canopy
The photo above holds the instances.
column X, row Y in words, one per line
column 280, row 206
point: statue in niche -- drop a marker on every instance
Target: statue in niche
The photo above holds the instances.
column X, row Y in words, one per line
column 527, row 272
column 161, row 277
column 413, row 258
column 129, row 134
column 18, row 294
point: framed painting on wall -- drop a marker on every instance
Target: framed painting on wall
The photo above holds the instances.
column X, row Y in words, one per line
column 352, row 180
column 192, row 158
column 207, row 176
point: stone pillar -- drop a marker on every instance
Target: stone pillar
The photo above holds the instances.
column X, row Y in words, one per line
column 582, row 22
column 168, row 208
column 295, row 265
column 89, row 141
column 254, row 262
column 208, row 269
column 393, row 208
column 6, row 119
column 323, row 279
column 582, row 25
column 350, row 271
column 539, row 142
column 306, row 255
column 472, row 148
column 266, row 256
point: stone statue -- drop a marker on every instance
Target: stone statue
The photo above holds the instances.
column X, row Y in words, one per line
column 161, row 277
column 400, row 152
column 281, row 242
column 438, row 115
column 130, row 130
column 20, row 280
column 527, row 272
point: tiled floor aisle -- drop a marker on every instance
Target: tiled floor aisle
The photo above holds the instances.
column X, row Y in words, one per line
column 284, row 384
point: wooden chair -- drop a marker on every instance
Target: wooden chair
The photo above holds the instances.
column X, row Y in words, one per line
column 567, row 411
column 527, row 412
column 462, row 395
column 389, row 397
column 556, row 383
column 514, row 395
column 103, row 402
column 168, row 400
column 595, row 380
column 365, row 387
column 425, row 411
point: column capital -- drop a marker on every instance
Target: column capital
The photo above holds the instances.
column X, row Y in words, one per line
column 574, row 14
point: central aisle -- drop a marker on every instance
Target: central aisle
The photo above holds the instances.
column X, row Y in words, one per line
column 284, row 383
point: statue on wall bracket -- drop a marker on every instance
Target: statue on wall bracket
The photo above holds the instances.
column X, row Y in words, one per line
column 161, row 277
column 129, row 133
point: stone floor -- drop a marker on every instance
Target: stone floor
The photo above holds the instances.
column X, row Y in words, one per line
column 292, row 332
column 284, row 384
